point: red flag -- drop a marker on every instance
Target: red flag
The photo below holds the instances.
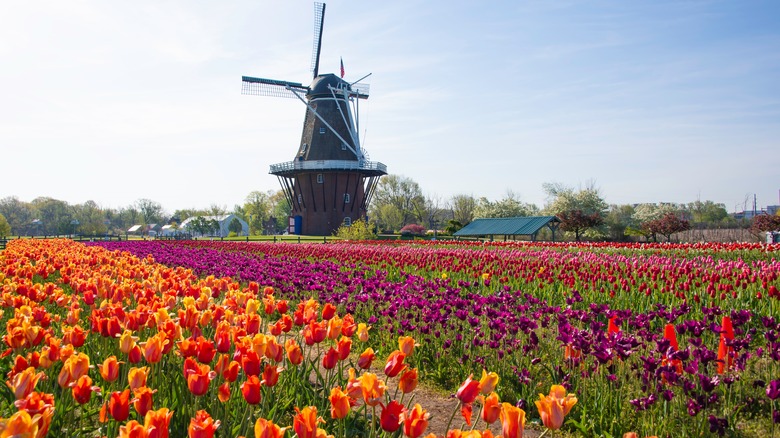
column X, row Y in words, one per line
column 342, row 67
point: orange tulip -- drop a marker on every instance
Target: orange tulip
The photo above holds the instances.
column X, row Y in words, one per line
column 328, row 311
column 271, row 375
column 408, row 381
column 344, row 346
column 612, row 327
column 136, row 377
column 205, row 351
column 333, row 328
column 406, row 345
column 250, row 362
column 267, row 429
column 75, row 366
column 314, row 332
column 305, row 422
column 362, row 332
column 202, row 425
column 294, row 354
column 132, row 429
column 491, row 408
column 725, row 352
column 198, row 379
column 142, row 400
column 339, row 403
column 390, row 418
column 20, row 425
column 395, row 363
column 415, row 421
column 23, row 383
column 119, row 405
column 157, row 423
column 366, row 358
column 348, row 325
column 36, row 403
column 555, row 406
column 372, row 388
column 488, row 382
column 154, row 346
column 82, row 389
column 109, row 369
column 330, row 359
column 512, row 421
column 273, row 350
column 127, row 341
column 223, row 392
column 251, row 390
column 135, row 354
column 468, row 391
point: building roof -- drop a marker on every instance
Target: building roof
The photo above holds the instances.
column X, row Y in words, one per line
column 134, row 228
column 508, row 226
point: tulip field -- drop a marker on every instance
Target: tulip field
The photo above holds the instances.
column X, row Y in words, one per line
column 227, row 339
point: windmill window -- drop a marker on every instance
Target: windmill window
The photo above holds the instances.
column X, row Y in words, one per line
column 343, row 146
column 304, row 147
column 319, row 178
column 347, row 221
column 346, row 198
column 300, row 199
column 322, row 130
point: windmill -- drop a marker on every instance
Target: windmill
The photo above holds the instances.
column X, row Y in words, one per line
column 330, row 181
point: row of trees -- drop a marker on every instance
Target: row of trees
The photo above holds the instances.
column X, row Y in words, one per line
column 265, row 212
column 399, row 201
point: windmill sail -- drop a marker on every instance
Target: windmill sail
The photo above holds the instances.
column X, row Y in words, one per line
column 319, row 19
column 270, row 87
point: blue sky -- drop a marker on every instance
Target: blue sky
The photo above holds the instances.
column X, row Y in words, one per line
column 655, row 101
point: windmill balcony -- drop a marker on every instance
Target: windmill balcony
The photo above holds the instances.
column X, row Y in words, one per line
column 372, row 168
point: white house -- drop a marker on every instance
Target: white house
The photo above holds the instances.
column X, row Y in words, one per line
column 224, row 224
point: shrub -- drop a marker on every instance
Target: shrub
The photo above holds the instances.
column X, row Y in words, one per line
column 359, row 230
column 413, row 230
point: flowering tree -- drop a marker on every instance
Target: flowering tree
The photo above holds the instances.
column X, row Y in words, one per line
column 764, row 223
column 577, row 221
column 667, row 225
column 413, row 230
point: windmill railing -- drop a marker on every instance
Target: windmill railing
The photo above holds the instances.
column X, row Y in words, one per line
column 290, row 167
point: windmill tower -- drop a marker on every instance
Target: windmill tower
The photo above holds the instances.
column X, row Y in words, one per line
column 330, row 181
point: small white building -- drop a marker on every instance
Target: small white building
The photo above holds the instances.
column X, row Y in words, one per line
column 224, row 225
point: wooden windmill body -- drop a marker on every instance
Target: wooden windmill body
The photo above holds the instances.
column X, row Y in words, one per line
column 330, row 181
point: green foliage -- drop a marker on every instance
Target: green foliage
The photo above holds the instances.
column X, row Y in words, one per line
column 452, row 226
column 509, row 206
column 232, row 234
column 5, row 228
column 463, row 207
column 235, row 227
column 667, row 225
column 359, row 230
column 397, row 196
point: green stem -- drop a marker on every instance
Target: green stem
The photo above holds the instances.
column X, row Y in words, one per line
column 446, row 429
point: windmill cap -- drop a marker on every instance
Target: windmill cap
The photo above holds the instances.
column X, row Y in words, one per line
column 320, row 87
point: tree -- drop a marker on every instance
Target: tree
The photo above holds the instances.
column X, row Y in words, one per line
column 212, row 225
column 452, row 227
column 235, row 226
column 585, row 208
column 5, row 227
column 18, row 214
column 509, row 206
column 217, row 210
column 358, row 230
column 463, row 208
column 257, row 209
column 764, row 222
column 401, row 193
column 667, row 225
column 91, row 217
column 280, row 212
column 707, row 212
column 54, row 214
column 577, row 221
column 198, row 225
column 618, row 220
column 151, row 212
